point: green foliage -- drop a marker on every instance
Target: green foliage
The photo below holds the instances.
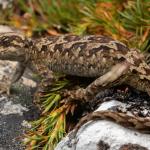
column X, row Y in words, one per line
column 136, row 18
column 50, row 128
column 94, row 17
column 59, row 14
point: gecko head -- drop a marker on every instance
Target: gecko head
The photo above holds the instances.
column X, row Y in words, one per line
column 13, row 46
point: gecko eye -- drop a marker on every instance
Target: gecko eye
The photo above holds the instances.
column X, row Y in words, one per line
column 112, row 45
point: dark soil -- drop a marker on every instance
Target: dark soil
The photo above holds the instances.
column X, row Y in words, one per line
column 11, row 130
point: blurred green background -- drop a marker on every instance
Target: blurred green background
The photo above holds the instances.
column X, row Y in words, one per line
column 126, row 20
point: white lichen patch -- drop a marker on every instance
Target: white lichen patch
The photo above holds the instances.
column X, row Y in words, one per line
column 110, row 104
column 113, row 134
column 26, row 124
column 10, row 108
column 3, row 98
column 28, row 82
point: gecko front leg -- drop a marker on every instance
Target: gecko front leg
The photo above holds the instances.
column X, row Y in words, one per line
column 20, row 68
column 18, row 72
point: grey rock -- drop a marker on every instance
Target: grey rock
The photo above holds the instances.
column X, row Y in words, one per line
column 104, row 135
column 15, row 109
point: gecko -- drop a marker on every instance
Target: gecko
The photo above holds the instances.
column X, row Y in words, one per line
column 107, row 60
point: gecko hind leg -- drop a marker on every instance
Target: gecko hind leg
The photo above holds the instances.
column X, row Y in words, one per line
column 117, row 75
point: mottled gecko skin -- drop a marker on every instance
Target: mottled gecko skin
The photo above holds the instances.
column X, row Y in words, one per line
column 110, row 61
